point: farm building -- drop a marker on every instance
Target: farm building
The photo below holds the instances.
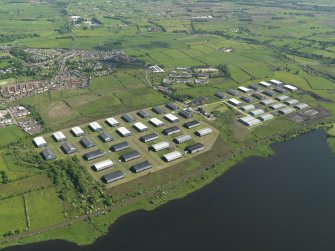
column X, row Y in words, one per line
column 172, row 106
column 282, row 98
column 182, row 139
column 160, row 146
column 124, row 132
column 149, row 137
column 171, row 118
column 156, row 122
column 112, row 122
column 276, row 82
column 291, row 88
column 243, row 89
column 59, row 136
column 113, row 176
column 247, row 108
column 276, row 106
column 130, row 156
column 185, row 114
column 258, row 96
column 246, row 99
column 279, row 90
column 93, row 155
column 203, row 132
column 269, row 93
column 128, row 118
column 256, row 112
column 254, row 87
column 171, row 130
column 140, row 167
column 105, row 137
column 266, row 116
column 120, row 146
column 140, row 127
column 301, row 106
column 195, row 148
column 68, row 148
column 286, row 110
column 234, row 102
column 220, row 95
column 172, row 156
column 249, row 121
column 232, row 92
column 48, row 154
column 291, row 102
column 268, row 101
column 102, row 165
column 157, row 110
column 77, row 131
column 40, row 142
column 192, row 124
column 95, row 127
column 143, row 114
column 87, row 143
column 264, row 84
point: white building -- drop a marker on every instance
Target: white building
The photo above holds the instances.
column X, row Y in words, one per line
column 124, row 132
column 102, row 165
column 249, row 121
column 40, row 141
column 172, row 156
column 204, row 131
column 244, row 89
column 291, row 88
column 160, row 146
column 276, row 82
column 59, row 136
column 171, row 118
column 264, row 84
column 256, row 112
column 234, row 102
column 77, row 131
column 156, row 122
column 266, row 116
column 112, row 122
column 95, row 126
column 140, row 127
column 247, row 107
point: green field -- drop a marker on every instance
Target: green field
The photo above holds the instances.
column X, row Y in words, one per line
column 10, row 134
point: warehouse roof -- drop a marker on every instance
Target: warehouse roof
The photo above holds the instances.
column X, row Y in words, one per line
column 156, row 122
column 172, row 156
column 276, row 82
column 93, row 155
column 160, row 146
column 157, row 110
column 258, row 96
column 220, row 95
column 234, row 101
column 143, row 114
column 266, row 116
column 291, row 102
column 232, row 92
column 282, row 98
column 247, row 107
column 172, row 106
column 204, row 131
column 112, row 122
column 149, row 137
column 128, row 118
column 183, row 138
column 172, row 129
column 103, row 165
column 113, row 176
column 59, row 136
column 68, row 148
column 77, row 131
column 130, row 156
column 191, row 124
column 256, row 112
column 195, row 148
column 243, row 89
column 286, row 110
column 185, row 114
column 140, row 127
column 123, row 131
column 246, row 99
column 276, row 106
column 291, row 87
column 120, row 146
column 105, row 136
column 40, row 141
column 268, row 101
column 265, row 84
column 48, row 154
column 269, row 93
column 301, row 106
column 254, row 87
column 87, row 142
column 171, row 117
column 139, row 167
column 95, row 126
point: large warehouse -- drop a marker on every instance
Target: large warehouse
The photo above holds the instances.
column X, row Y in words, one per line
column 93, row 155
column 220, row 95
column 269, row 93
column 258, row 96
column 266, row 116
column 249, row 121
column 128, row 118
column 234, row 102
column 268, row 101
column 172, row 106
column 256, row 112
column 192, row 124
column 246, row 99
column 143, row 114
column 286, row 110
column 276, row 106
column 195, row 148
column 124, row 132
column 68, row 148
column 140, row 127
column 254, row 87
column 140, row 167
column 59, row 136
column 102, row 165
column 301, row 106
column 282, row 98
column 77, row 131
column 171, row 118
column 291, row 102
column 157, row 110
column 95, row 127
column 160, row 146
column 112, row 122
column 48, row 154
column 276, row 82
column 182, row 139
column 264, row 84
column 204, row 132
column 120, row 146
column 232, row 92
column 149, row 137
column 130, row 156
column 40, row 142
column 185, row 114
column 243, row 89
column 247, row 107
column 156, row 122
column 87, row 142
column 113, row 176
column 105, row 137
column 291, row 88
column 171, row 130
column 172, row 156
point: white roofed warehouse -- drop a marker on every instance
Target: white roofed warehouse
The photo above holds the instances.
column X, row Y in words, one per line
column 204, row 132
column 124, row 132
column 243, row 89
column 112, row 122
column 140, row 127
column 247, row 107
column 256, row 112
column 291, row 88
column 95, row 127
column 264, row 84
column 266, row 116
column 160, row 146
column 171, row 118
column 40, row 142
column 77, row 131
column 102, row 165
column 182, row 139
column 156, row 122
column 234, row 102
column 59, row 136
column 172, row 156
column 249, row 121
column 301, row 106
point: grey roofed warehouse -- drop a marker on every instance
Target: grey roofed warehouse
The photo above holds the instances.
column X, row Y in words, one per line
column 157, row 110
column 149, row 137
column 113, row 176
column 48, row 154
column 195, row 148
column 220, row 95
column 254, row 87
column 93, row 155
column 185, row 114
column 258, row 96
column 171, row 130
column 269, row 93
column 246, row 99
column 182, row 139
column 128, row 118
column 192, row 124
column 143, row 114
column 232, row 92
column 105, row 137
column 142, row 166
column 87, row 143
column 68, row 148
column 130, row 156
column 120, row 146
column 172, row 106
column 279, row 90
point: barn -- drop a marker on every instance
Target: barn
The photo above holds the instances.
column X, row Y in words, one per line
column 95, row 127
column 192, row 124
column 185, row 114
column 140, row 127
column 102, row 165
column 157, row 110
column 128, row 118
column 171, row 118
column 143, row 114
column 160, row 146
column 112, row 122
column 172, row 106
column 195, row 148
column 172, row 156
column 204, row 132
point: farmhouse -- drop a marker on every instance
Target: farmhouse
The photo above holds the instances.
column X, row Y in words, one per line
column 112, row 122
column 172, row 156
column 249, row 121
column 102, row 165
column 120, row 146
column 140, row 127
column 40, row 142
column 246, row 99
column 105, row 137
column 156, row 122
column 279, row 90
column 130, row 156
column 276, row 106
column 157, row 110
column 127, row 118
column 243, row 89
column 247, row 107
column 172, row 106
column 276, row 82
column 291, row 88
column 95, row 127
column 269, row 93
column 48, row 154
column 254, row 87
column 77, row 131
column 87, row 143
column 68, row 148
column 195, row 148
column 143, row 114
column 286, row 110
column 220, row 95
column 171, row 118
column 182, row 139
column 232, row 92
column 149, row 137
column 113, row 176
column 140, row 167
column 301, row 106
column 282, row 98
column 185, row 114
column 258, row 96
column 124, row 132
column 192, row 124
column 266, row 116
column 264, row 84
column 160, row 146
column 268, row 102
column 93, row 155
column 171, row 130
column 234, row 102
column 59, row 136
column 291, row 102
column 203, row 132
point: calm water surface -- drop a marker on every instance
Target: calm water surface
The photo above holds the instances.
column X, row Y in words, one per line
column 284, row 202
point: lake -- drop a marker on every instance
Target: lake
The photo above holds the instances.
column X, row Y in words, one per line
column 283, row 202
